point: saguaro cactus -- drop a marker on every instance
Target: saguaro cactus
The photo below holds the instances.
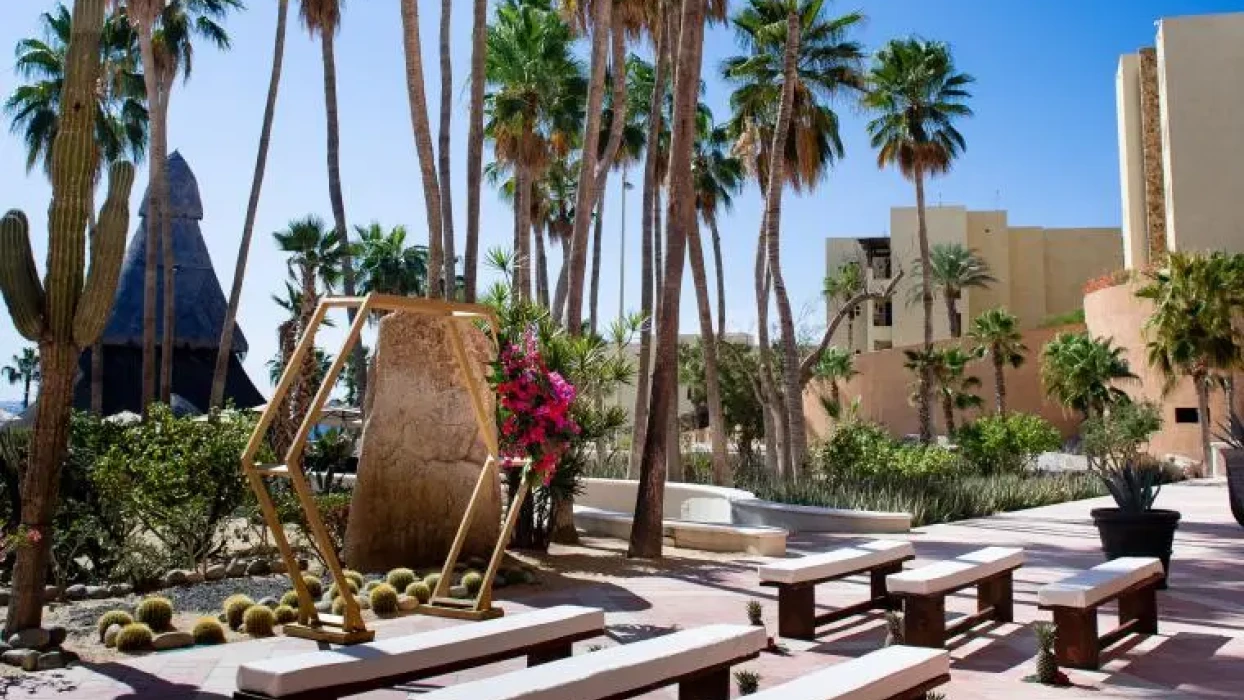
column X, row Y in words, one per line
column 67, row 311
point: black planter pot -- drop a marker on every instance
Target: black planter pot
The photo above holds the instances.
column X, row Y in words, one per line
column 1234, row 460
column 1147, row 534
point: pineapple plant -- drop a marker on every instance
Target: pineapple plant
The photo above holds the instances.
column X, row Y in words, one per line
column 1047, row 664
column 755, row 613
column 893, row 629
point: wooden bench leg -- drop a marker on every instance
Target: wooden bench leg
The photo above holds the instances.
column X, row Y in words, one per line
column 924, row 621
column 877, row 588
column 714, row 685
column 997, row 593
column 1141, row 606
column 797, row 612
column 1077, row 643
column 549, row 653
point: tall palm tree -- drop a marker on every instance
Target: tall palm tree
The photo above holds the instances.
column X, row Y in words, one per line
column 24, row 371
column 1081, row 372
column 449, row 251
column 918, row 94
column 533, row 105
column 225, row 350
column 315, row 258
column 719, row 176
column 387, row 265
column 953, row 269
column 837, row 365
column 475, row 144
column 840, row 287
column 422, row 129
column 951, row 384
column 1191, row 332
column 996, row 334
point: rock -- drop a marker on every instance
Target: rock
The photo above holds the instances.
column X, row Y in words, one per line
column 51, row 593
column 236, row 569
column 57, row 635
column 269, row 602
column 172, row 640
column 71, row 657
column 33, row 638
column 176, row 577
column 259, row 567
column 76, row 592
column 193, row 577
column 96, row 592
column 4, row 646
column 120, row 589
column 407, row 603
column 215, row 572
column 277, row 566
column 50, row 661
column 304, row 564
column 4, row 596
column 26, row 659
column 324, row 606
column 420, row 455
column 110, row 635
column 459, row 592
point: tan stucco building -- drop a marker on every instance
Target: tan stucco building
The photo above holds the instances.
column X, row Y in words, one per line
column 1181, row 145
column 1040, row 272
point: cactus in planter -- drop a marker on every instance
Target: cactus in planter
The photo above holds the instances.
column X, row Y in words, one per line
column 66, row 311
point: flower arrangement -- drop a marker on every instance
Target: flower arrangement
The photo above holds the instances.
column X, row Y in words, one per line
column 533, row 408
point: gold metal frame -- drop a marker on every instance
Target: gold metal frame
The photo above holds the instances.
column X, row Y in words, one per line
column 349, row 628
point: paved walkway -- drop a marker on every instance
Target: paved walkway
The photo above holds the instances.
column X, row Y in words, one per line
column 1199, row 654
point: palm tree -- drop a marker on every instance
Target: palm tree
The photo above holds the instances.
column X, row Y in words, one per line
column 948, row 367
column 954, row 268
column 840, row 287
column 533, row 106
column 24, row 371
column 475, row 143
column 719, row 176
column 1191, row 333
column 225, row 350
column 315, row 256
column 1080, row 372
column 996, row 334
column 836, row 365
column 422, row 129
column 387, row 265
column 449, row 251
column 918, row 95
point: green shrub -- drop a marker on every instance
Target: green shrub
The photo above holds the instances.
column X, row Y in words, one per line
column 432, row 580
column 235, row 608
column 1006, row 444
column 290, row 599
column 860, row 448
column 207, row 631
column 400, row 579
column 383, row 599
column 110, row 618
column 314, row 585
column 420, row 591
column 472, row 581
column 285, row 614
column 259, row 621
column 155, row 612
column 334, row 593
column 134, row 637
column 354, row 576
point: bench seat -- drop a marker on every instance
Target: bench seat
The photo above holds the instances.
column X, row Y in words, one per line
column 924, row 590
column 698, row 658
column 952, row 575
column 892, row 673
column 708, row 537
column 1133, row 581
column 540, row 634
column 840, row 562
column 1099, row 584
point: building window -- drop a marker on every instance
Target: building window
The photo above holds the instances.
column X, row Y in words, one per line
column 1185, row 414
column 880, row 266
column 883, row 314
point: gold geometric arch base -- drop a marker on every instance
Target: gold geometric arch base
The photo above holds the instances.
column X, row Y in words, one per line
column 349, row 628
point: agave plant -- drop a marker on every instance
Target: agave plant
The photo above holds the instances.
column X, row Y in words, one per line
column 1114, row 444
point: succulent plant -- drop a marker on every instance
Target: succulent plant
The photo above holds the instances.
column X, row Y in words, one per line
column 134, row 637
column 334, row 593
column 155, row 612
column 113, row 617
column 339, row 606
column 1047, row 662
column 893, row 628
column 473, row 581
column 290, row 599
column 420, row 591
column 259, row 621
column 207, row 631
column 235, row 608
column 748, row 682
column 384, row 599
column 755, row 613
column 432, row 580
column 314, row 585
column 400, row 579
column 285, row 614
column 356, row 577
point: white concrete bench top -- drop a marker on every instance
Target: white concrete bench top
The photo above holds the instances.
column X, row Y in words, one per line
column 297, row 673
column 876, row 676
column 836, row 563
column 600, row 674
column 943, row 576
column 710, row 537
column 1100, row 583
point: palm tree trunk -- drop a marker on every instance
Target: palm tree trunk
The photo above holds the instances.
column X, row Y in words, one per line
column 97, row 379
column 306, row 387
column 948, row 415
column 712, row 381
column 225, row 351
column 542, row 269
column 775, row 426
column 648, row 226
column 925, row 388
column 954, row 322
column 443, row 178
column 475, row 147
column 522, row 204
column 156, row 163
column 282, row 434
column 1202, row 399
column 721, row 279
column 622, row 250
column 423, row 144
column 169, row 296
column 796, row 437
column 999, row 382
column 658, row 245
column 1228, row 390
column 835, row 394
column 559, row 294
column 594, row 290
column 647, row 531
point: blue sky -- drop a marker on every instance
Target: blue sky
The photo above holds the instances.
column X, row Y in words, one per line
column 1042, row 144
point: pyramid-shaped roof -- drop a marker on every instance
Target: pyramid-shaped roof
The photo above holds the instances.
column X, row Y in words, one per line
column 200, row 301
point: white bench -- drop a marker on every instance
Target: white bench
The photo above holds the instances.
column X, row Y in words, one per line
column 796, row 581
column 1133, row 581
column 698, row 660
column 924, row 590
column 541, row 636
column 708, row 537
column 892, row 673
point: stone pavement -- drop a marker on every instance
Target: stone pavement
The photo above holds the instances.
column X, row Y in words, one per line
column 1199, row 653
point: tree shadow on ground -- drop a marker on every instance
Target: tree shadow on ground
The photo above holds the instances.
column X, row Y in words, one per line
column 39, row 685
column 146, row 685
column 1173, row 663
